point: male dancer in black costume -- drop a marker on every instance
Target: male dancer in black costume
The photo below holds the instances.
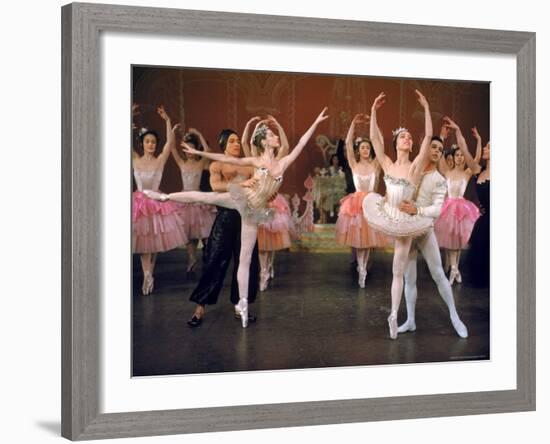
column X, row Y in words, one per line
column 224, row 241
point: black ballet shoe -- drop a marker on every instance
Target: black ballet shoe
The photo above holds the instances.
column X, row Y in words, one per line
column 194, row 321
column 251, row 317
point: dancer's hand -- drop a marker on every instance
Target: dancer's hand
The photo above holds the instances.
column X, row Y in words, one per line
column 322, row 116
column 273, row 120
column 451, row 123
column 162, row 113
column 155, row 195
column 176, row 127
column 421, row 99
column 445, row 130
column 249, row 183
column 475, row 132
column 188, row 149
column 379, row 101
column 361, row 118
column 408, row 207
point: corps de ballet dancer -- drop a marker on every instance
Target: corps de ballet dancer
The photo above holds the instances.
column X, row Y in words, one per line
column 454, row 226
column 250, row 198
column 276, row 234
column 401, row 178
column 197, row 217
column 429, row 201
column 352, row 228
column 156, row 226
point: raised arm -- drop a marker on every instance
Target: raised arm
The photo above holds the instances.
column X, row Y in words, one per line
column 286, row 161
column 477, row 157
column 418, row 163
column 283, row 150
column 241, row 161
column 461, row 141
column 170, row 135
column 350, row 139
column 376, row 135
column 444, row 135
column 245, row 139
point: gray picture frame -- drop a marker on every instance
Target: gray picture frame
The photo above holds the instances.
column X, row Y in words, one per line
column 81, row 231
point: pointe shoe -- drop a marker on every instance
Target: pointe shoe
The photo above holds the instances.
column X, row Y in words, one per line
column 264, row 278
column 271, row 271
column 148, row 282
column 407, row 326
column 191, row 266
column 458, row 277
column 459, row 327
column 362, row 278
column 453, row 275
column 392, row 324
column 242, row 309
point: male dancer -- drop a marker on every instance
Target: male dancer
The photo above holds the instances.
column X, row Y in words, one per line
column 429, row 200
column 224, row 241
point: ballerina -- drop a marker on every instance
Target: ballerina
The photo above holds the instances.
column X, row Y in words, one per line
column 352, row 228
column 198, row 218
column 401, row 178
column 454, row 226
column 250, row 198
column 274, row 235
column 156, row 226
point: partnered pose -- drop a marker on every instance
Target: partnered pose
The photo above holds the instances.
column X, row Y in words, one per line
column 401, row 178
column 198, row 218
column 429, row 201
column 454, row 226
column 156, row 226
column 275, row 234
column 250, row 198
column 352, row 228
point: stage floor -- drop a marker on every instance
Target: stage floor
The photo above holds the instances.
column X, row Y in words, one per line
column 312, row 315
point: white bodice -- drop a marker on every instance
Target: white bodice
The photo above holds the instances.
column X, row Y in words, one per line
column 191, row 180
column 364, row 182
column 456, row 187
column 148, row 180
column 397, row 190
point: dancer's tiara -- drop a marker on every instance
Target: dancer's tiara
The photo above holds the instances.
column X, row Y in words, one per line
column 395, row 132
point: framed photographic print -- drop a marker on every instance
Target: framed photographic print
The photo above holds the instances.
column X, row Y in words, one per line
column 318, row 295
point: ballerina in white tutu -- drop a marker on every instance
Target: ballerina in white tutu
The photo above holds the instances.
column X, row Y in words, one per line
column 401, row 178
column 251, row 197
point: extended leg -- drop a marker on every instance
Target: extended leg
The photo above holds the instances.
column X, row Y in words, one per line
column 430, row 251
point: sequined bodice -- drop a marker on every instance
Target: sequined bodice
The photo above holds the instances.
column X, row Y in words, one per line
column 456, row 187
column 191, row 180
column 266, row 187
column 397, row 190
column 364, row 182
column 147, row 180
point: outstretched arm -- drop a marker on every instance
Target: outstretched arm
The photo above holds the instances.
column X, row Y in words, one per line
column 287, row 160
column 241, row 161
column 349, row 140
column 477, row 157
column 245, row 144
column 376, row 135
column 461, row 141
column 283, row 150
column 420, row 160
column 170, row 134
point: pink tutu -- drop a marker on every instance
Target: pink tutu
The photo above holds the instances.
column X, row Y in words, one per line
column 156, row 226
column 352, row 228
column 276, row 234
column 456, row 222
column 197, row 219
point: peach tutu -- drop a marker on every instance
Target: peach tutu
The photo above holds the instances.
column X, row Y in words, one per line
column 352, row 228
column 454, row 225
column 277, row 233
column 197, row 219
column 156, row 226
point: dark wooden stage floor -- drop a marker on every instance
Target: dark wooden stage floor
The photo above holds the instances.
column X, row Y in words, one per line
column 312, row 315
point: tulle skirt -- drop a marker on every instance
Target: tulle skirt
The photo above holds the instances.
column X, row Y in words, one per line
column 277, row 233
column 156, row 226
column 248, row 214
column 352, row 228
column 454, row 226
column 197, row 219
column 393, row 223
